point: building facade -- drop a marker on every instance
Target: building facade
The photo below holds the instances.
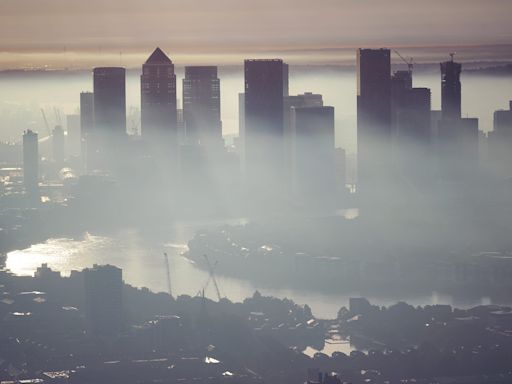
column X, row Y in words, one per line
column 264, row 154
column 158, row 99
column 451, row 89
column 374, row 120
column 201, row 107
column 104, row 300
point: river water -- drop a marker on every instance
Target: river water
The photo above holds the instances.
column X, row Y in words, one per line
column 140, row 255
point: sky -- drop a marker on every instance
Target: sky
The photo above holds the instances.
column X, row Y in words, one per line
column 78, row 34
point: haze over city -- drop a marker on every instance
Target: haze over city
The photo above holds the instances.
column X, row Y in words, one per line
column 255, row 192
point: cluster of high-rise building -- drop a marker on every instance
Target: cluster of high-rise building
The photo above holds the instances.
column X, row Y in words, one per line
column 286, row 147
column 402, row 143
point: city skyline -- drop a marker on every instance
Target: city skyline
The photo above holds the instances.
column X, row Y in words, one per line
column 255, row 192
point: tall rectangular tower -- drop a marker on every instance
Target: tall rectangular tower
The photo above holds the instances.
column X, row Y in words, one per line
column 201, row 106
column 110, row 101
column 373, row 116
column 104, row 300
column 451, row 89
column 158, row 99
column 106, row 140
column 500, row 143
column 313, row 155
column 86, row 113
column 264, row 157
column 30, row 162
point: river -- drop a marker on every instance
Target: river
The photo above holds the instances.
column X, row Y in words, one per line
column 140, row 255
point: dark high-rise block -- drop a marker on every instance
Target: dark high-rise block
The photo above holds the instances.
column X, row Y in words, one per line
column 201, row 107
column 158, row 100
column 104, row 300
column 308, row 99
column 241, row 128
column 451, row 89
column 87, row 135
column 374, row 92
column 86, row 113
column 412, row 116
column 412, row 150
column 401, row 86
column 264, row 158
column 313, row 154
column 286, row 75
column 30, row 162
column 106, row 141
column 500, row 143
column 87, row 138
column 373, row 116
column 110, row 102
column 458, row 142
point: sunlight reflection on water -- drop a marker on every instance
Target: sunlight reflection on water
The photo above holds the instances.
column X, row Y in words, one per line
column 143, row 265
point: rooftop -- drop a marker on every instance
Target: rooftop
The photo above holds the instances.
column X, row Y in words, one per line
column 158, row 57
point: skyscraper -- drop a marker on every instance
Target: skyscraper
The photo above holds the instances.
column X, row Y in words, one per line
column 458, row 142
column 410, row 109
column 411, row 125
column 264, row 157
column 73, row 138
column 241, row 129
column 87, row 129
column 308, row 99
column 158, row 100
column 110, row 102
column 313, row 154
column 458, row 137
column 103, row 300
column 86, row 113
column 413, row 150
column 286, row 75
column 413, row 117
column 373, row 117
column 500, row 143
column 201, row 107
column 30, row 162
column 107, row 139
column 58, row 145
column 451, row 89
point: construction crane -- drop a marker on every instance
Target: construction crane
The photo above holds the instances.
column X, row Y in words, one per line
column 46, row 123
column 212, row 278
column 168, row 273
column 210, row 268
column 58, row 120
column 207, row 284
column 410, row 62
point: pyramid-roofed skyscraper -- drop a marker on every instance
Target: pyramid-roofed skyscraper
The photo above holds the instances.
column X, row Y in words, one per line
column 158, row 57
column 158, row 98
